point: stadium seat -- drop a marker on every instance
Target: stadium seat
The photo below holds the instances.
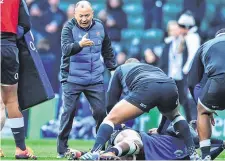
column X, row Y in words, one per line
column 210, row 11
column 204, row 25
column 128, row 34
column 97, row 4
column 133, row 9
column 166, row 19
column 131, row 1
column 223, row 12
column 136, row 22
column 152, row 37
column 178, row 2
column 214, row 2
column 222, row 2
column 98, row 1
column 64, row 5
column 98, row 7
column 171, row 10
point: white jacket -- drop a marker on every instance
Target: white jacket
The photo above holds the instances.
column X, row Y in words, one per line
column 193, row 42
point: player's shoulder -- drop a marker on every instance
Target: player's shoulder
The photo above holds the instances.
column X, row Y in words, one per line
column 212, row 42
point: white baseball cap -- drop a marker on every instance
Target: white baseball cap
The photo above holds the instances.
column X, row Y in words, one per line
column 186, row 20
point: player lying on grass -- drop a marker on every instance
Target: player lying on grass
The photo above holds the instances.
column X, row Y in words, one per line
column 144, row 87
column 127, row 143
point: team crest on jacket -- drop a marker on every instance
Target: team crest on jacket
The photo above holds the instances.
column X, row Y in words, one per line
column 98, row 33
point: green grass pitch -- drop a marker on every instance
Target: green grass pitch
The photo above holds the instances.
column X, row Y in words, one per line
column 45, row 149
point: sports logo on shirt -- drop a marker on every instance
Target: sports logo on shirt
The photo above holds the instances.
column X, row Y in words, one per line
column 215, row 107
column 177, row 102
column 143, row 105
column 178, row 153
column 16, row 76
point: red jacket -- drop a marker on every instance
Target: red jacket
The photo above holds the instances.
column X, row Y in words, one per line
column 9, row 15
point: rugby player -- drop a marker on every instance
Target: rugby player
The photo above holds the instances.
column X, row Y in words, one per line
column 145, row 87
column 208, row 74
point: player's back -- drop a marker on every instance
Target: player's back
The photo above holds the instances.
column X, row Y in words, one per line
column 163, row 147
column 213, row 56
column 139, row 73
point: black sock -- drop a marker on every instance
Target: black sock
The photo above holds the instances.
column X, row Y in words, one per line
column 205, row 151
column 182, row 127
column 104, row 132
column 205, row 147
column 113, row 150
column 19, row 136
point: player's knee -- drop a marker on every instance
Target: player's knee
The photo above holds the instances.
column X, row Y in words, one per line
column 113, row 118
column 3, row 117
column 2, row 105
column 10, row 90
column 10, row 95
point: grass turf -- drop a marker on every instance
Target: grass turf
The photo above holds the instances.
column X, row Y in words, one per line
column 45, row 149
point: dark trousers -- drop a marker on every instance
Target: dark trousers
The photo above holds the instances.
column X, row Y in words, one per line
column 95, row 94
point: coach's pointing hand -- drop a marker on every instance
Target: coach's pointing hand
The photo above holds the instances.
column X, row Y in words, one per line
column 85, row 42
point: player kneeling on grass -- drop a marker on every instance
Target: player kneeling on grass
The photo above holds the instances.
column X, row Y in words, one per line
column 128, row 144
column 145, row 87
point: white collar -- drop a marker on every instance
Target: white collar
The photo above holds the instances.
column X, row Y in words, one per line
column 220, row 34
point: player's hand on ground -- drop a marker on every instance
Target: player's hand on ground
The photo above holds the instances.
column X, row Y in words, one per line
column 153, row 131
column 73, row 154
column 109, row 156
column 85, row 41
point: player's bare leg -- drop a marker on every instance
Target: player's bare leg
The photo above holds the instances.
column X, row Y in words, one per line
column 3, row 118
column 204, row 129
column 121, row 112
column 2, row 112
column 10, row 99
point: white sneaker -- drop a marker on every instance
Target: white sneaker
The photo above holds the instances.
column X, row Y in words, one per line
column 90, row 156
column 207, row 158
column 60, row 156
column 195, row 157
